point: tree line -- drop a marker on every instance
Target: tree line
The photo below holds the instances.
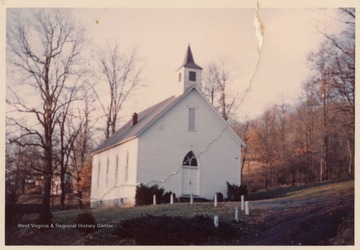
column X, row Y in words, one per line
column 313, row 140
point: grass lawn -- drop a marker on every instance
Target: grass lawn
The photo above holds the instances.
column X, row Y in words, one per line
column 315, row 189
column 112, row 216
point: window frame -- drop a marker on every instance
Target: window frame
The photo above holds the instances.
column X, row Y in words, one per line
column 117, row 170
column 98, row 175
column 192, row 76
column 107, row 172
column 191, row 119
column 190, row 160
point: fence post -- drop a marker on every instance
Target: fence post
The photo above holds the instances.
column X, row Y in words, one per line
column 191, row 199
column 247, row 211
column 171, row 198
column 216, row 221
column 237, row 214
column 154, row 199
column 242, row 202
column 215, row 200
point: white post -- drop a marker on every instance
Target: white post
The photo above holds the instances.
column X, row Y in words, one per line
column 171, row 198
column 247, row 212
column 154, row 199
column 215, row 200
column 237, row 214
column 216, row 221
column 191, row 199
column 242, row 202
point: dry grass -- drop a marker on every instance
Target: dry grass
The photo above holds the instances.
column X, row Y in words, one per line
column 316, row 189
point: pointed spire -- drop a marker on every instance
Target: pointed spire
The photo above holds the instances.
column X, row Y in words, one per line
column 188, row 57
column 189, row 60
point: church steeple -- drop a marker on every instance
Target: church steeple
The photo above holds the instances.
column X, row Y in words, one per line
column 189, row 60
column 189, row 74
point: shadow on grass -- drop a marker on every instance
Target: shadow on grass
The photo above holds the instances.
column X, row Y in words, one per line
column 175, row 230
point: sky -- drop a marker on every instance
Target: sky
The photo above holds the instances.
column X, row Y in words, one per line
column 272, row 75
column 161, row 37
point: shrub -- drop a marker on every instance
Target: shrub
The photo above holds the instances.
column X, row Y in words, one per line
column 174, row 230
column 85, row 218
column 166, row 197
column 144, row 194
column 234, row 192
column 220, row 197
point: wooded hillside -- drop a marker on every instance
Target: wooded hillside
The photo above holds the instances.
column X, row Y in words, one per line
column 313, row 140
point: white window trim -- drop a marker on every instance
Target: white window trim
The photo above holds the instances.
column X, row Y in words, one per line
column 195, row 74
column 195, row 119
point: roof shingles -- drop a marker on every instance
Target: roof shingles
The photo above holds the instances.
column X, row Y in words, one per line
column 128, row 131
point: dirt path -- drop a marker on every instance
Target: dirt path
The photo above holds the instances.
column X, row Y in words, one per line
column 314, row 221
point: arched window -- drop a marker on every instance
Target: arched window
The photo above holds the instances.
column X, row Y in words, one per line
column 190, row 160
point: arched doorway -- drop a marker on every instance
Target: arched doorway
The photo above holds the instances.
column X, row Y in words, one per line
column 190, row 174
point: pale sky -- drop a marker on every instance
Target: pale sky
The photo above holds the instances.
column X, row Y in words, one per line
column 161, row 36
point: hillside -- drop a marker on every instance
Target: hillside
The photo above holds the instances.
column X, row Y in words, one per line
column 320, row 214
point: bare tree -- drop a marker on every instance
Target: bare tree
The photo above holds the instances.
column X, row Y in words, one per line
column 217, row 82
column 122, row 74
column 282, row 113
column 243, row 130
column 45, row 49
column 80, row 154
column 333, row 82
column 211, row 86
column 266, row 143
column 15, row 170
column 68, row 134
column 305, row 138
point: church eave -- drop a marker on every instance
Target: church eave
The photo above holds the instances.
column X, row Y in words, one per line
column 115, row 145
column 192, row 66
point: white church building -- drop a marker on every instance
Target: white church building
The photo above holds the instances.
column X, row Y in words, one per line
column 181, row 144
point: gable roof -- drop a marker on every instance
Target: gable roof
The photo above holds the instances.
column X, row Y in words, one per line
column 189, row 60
column 129, row 131
column 146, row 118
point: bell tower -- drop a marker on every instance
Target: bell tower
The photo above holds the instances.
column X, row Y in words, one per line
column 189, row 74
